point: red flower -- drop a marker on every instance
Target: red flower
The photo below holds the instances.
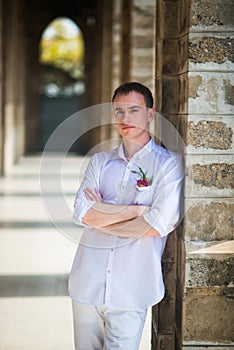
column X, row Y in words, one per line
column 142, row 183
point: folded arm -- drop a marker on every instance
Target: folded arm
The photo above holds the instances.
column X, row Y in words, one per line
column 117, row 220
column 137, row 227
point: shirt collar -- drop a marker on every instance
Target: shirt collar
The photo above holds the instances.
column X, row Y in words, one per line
column 138, row 155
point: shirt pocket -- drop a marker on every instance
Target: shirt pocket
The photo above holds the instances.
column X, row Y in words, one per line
column 144, row 195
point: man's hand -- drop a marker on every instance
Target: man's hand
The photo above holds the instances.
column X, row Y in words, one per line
column 92, row 194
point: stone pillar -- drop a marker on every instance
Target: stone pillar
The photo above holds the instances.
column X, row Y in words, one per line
column 172, row 23
column 116, row 44
column 133, row 35
column 1, row 87
column 13, row 98
column 106, row 76
column 20, row 82
column 208, row 289
column 142, row 55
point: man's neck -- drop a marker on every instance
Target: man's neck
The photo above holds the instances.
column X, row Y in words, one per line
column 132, row 147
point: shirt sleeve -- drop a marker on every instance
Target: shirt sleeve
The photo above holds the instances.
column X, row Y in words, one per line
column 165, row 209
column 91, row 179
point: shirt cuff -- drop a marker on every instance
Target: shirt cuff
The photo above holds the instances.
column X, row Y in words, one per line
column 158, row 225
column 79, row 214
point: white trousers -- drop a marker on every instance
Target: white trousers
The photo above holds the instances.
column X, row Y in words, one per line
column 103, row 328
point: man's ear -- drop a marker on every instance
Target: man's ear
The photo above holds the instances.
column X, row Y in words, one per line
column 151, row 113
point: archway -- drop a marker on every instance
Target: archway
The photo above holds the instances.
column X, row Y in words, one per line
column 62, row 87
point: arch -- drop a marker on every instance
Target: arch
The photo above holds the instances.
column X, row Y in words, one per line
column 62, row 86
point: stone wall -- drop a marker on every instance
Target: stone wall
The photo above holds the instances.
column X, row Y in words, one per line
column 208, row 289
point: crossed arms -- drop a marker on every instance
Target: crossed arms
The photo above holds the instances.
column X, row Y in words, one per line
column 117, row 220
column 131, row 221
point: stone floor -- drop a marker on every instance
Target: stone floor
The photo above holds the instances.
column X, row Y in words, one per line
column 37, row 246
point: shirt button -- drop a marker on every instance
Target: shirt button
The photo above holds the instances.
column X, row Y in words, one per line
column 128, row 166
column 108, row 271
column 112, row 249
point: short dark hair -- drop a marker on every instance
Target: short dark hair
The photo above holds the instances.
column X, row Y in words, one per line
column 128, row 87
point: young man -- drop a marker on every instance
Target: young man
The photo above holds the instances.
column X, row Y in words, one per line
column 128, row 202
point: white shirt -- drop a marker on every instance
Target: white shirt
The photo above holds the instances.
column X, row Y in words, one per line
column 122, row 272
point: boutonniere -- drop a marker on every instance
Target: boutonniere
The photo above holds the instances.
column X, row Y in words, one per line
column 143, row 181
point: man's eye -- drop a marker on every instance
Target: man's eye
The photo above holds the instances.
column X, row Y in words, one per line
column 134, row 110
column 118, row 112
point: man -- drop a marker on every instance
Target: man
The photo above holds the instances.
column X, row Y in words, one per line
column 128, row 202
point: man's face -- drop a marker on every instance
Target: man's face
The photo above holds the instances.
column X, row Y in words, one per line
column 132, row 117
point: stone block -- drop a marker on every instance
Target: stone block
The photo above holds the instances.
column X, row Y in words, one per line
column 170, row 94
column 170, row 19
column 144, row 40
column 179, row 313
column 167, row 305
column 209, row 134
column 144, row 2
column 159, row 23
column 211, row 13
column 170, row 56
column 183, row 54
column 219, row 175
column 209, row 176
column 209, row 220
column 184, row 17
column 175, row 55
column 174, row 94
column 158, row 96
column 143, row 17
column 211, row 93
column 180, row 264
column 170, row 251
column 159, row 58
column 197, row 346
column 207, row 318
column 142, row 58
column 215, row 49
column 166, row 342
column 207, row 270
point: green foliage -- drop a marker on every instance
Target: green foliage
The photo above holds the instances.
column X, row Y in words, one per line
column 63, row 48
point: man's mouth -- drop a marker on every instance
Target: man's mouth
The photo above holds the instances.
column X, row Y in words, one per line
column 126, row 127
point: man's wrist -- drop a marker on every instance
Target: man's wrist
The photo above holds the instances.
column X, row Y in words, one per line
column 141, row 209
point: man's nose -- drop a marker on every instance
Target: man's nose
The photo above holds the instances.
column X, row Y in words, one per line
column 126, row 117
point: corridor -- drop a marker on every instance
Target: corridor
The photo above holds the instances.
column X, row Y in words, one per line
column 35, row 258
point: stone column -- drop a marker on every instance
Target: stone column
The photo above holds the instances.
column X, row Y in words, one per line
column 20, row 82
column 10, row 27
column 12, row 87
column 1, row 87
column 172, row 25
column 208, row 289
column 142, row 30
